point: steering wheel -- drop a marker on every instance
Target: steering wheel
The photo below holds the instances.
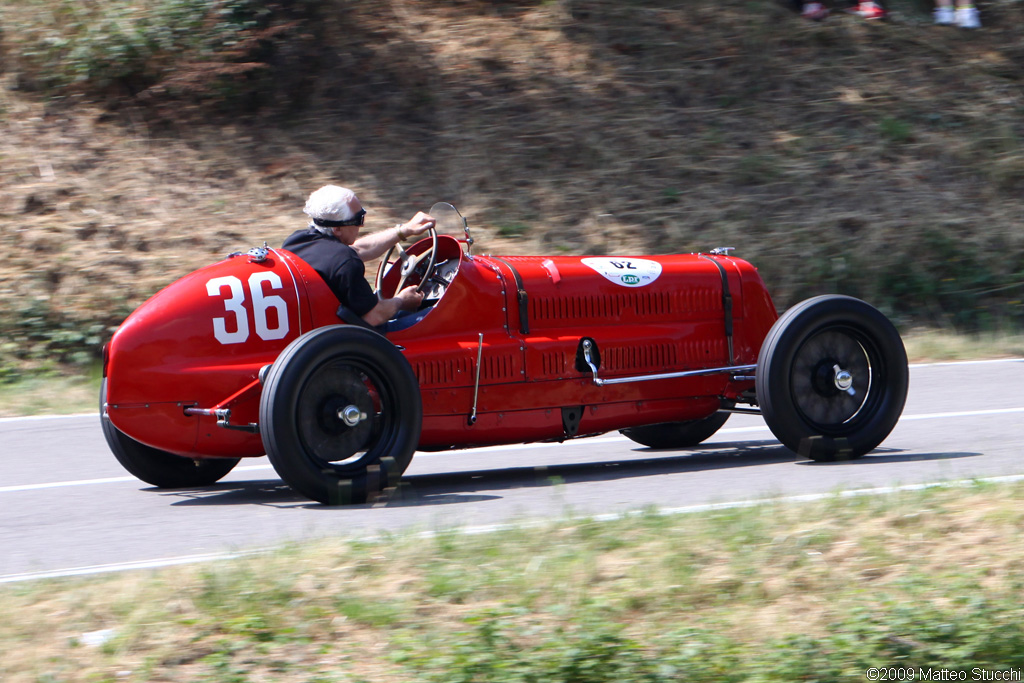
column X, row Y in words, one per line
column 408, row 263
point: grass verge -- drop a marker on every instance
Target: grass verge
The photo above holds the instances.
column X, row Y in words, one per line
column 51, row 395
column 935, row 345
column 778, row 592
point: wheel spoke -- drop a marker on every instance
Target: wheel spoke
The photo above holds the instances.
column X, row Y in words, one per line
column 818, row 371
column 340, row 414
column 409, row 266
column 320, row 410
column 404, row 269
column 832, row 378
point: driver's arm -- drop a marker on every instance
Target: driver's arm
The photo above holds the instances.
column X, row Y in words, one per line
column 371, row 246
column 407, row 300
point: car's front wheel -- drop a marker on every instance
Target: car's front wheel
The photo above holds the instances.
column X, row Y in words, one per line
column 340, row 415
column 832, row 378
column 160, row 468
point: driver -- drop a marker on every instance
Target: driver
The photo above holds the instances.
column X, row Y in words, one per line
column 332, row 246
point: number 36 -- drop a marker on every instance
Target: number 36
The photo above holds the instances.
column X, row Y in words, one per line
column 261, row 304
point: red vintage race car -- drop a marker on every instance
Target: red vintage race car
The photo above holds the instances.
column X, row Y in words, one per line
column 253, row 356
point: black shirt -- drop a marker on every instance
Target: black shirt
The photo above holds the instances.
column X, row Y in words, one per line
column 339, row 266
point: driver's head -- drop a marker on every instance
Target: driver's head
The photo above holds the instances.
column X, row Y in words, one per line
column 333, row 207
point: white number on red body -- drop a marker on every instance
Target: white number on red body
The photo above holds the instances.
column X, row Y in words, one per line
column 233, row 328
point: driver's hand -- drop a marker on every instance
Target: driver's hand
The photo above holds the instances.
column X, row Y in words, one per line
column 409, row 299
column 418, row 224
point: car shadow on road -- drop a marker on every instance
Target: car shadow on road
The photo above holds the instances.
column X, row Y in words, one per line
column 450, row 488
column 272, row 492
column 419, row 489
column 480, row 485
column 880, row 455
column 275, row 493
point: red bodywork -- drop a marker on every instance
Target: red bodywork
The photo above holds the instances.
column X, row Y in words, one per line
column 198, row 347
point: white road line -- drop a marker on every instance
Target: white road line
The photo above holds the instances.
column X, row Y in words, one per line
column 106, row 480
column 60, row 484
column 510, row 447
column 963, row 413
column 38, row 418
column 490, row 528
column 944, row 363
column 122, row 566
column 4, row 420
column 267, row 466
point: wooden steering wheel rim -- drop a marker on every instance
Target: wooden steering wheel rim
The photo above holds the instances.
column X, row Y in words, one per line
column 404, row 257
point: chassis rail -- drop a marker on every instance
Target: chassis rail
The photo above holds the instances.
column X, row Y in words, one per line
column 741, row 372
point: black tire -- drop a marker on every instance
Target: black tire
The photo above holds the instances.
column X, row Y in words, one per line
column 677, row 434
column 160, row 468
column 800, row 380
column 312, row 447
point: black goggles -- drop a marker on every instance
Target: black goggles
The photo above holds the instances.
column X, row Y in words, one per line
column 355, row 220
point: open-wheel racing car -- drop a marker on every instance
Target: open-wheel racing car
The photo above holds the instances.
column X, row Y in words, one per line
column 253, row 356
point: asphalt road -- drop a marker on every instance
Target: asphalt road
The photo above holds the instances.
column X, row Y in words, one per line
column 67, row 507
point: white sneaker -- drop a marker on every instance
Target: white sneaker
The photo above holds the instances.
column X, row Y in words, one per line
column 967, row 17
column 944, row 16
column 814, row 11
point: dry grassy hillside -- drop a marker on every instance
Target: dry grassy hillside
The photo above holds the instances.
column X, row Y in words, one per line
column 882, row 160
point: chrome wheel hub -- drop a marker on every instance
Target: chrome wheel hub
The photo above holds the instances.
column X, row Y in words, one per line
column 843, row 380
column 351, row 415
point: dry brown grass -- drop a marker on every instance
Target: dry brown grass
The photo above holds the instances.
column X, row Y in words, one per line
column 935, row 345
column 880, row 160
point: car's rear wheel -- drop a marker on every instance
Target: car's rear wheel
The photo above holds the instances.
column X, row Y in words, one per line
column 832, row 378
column 340, row 415
column 157, row 467
column 677, row 434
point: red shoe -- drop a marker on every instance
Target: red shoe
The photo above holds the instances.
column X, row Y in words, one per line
column 814, row 11
column 869, row 10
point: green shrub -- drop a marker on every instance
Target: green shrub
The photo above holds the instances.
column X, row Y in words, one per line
column 38, row 340
column 499, row 647
column 207, row 48
column 896, row 130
